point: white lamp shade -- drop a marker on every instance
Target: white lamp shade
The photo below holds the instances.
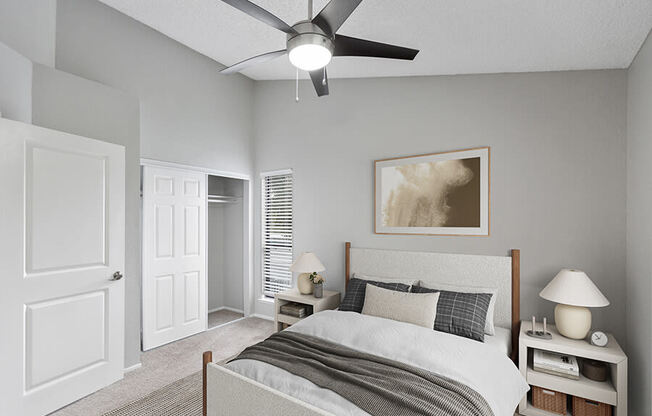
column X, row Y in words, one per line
column 573, row 287
column 307, row 263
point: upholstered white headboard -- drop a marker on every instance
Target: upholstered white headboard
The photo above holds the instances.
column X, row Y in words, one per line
column 500, row 272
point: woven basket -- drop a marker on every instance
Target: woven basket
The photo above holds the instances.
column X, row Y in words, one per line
column 550, row 400
column 585, row 407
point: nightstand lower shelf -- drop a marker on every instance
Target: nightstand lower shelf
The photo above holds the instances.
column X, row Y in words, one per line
column 601, row 391
column 287, row 319
column 533, row 411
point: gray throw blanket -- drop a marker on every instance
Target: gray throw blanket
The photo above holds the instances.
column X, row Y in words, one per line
column 376, row 385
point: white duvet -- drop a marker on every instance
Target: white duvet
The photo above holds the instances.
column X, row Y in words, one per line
column 482, row 367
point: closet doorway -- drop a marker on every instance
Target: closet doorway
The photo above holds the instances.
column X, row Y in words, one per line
column 225, row 227
column 196, row 250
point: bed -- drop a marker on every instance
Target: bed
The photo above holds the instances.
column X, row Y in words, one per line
column 250, row 387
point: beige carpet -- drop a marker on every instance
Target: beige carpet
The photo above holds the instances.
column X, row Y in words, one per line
column 172, row 362
column 222, row 317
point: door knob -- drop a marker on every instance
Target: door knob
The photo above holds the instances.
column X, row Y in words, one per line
column 117, row 276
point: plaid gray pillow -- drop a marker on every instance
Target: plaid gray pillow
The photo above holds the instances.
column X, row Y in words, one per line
column 354, row 297
column 462, row 314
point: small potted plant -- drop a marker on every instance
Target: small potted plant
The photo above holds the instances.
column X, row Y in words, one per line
column 318, row 284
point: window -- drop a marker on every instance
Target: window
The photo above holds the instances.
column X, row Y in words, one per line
column 277, row 232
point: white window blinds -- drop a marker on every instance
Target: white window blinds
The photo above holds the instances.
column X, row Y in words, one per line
column 277, row 232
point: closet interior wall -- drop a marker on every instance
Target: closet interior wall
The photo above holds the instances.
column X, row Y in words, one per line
column 225, row 224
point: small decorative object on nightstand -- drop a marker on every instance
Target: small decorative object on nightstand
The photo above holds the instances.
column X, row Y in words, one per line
column 595, row 370
column 308, row 265
column 318, row 284
column 330, row 300
column 598, row 338
column 544, row 334
column 574, row 292
column 588, row 396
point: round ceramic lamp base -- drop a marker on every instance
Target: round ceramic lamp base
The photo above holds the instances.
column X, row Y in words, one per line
column 304, row 284
column 573, row 321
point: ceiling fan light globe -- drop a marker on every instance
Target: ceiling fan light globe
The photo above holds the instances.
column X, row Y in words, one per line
column 309, row 57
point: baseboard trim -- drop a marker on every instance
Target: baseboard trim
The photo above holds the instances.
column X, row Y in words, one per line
column 226, row 308
column 261, row 316
column 226, row 323
column 133, row 367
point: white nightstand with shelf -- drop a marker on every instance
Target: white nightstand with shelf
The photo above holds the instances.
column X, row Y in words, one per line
column 613, row 391
column 330, row 300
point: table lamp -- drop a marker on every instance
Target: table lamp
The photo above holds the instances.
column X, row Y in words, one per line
column 306, row 264
column 574, row 293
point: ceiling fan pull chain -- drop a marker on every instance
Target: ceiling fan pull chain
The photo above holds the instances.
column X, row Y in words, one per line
column 309, row 9
column 296, row 97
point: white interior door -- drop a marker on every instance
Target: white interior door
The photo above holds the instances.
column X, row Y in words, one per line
column 174, row 255
column 61, row 240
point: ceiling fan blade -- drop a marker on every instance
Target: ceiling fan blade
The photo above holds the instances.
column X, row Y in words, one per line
column 261, row 14
column 259, row 59
column 320, row 81
column 347, row 46
column 334, row 14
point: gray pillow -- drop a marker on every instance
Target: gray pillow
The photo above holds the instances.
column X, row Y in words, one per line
column 462, row 314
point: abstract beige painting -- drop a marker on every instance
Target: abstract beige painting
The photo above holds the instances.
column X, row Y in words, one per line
column 440, row 193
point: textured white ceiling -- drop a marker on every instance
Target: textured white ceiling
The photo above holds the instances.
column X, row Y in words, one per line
column 454, row 36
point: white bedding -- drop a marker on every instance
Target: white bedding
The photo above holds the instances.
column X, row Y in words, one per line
column 483, row 367
column 502, row 340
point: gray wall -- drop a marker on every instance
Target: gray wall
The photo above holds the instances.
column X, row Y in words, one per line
column 233, row 247
column 557, row 168
column 225, row 245
column 639, row 230
column 189, row 112
column 28, row 26
column 15, row 85
column 68, row 103
column 216, row 256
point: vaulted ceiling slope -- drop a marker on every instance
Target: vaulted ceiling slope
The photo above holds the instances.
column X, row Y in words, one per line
column 454, row 36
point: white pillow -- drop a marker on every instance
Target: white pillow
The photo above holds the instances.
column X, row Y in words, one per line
column 489, row 327
column 408, row 282
column 415, row 308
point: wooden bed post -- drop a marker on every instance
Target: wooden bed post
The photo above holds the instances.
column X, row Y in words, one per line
column 516, row 301
column 206, row 358
column 347, row 263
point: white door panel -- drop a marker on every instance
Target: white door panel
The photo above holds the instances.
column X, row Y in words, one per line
column 174, row 257
column 73, row 199
column 62, row 222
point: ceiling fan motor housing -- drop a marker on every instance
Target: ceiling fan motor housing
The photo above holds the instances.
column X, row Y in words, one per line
column 309, row 34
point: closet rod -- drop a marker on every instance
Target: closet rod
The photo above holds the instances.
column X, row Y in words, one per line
column 223, row 199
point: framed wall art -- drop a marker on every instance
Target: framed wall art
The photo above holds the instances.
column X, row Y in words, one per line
column 438, row 194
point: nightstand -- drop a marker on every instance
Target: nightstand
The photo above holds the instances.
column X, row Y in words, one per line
column 330, row 300
column 613, row 391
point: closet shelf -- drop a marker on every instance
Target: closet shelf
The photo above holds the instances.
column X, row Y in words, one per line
column 223, row 199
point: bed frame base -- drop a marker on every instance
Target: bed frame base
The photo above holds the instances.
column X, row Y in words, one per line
column 231, row 394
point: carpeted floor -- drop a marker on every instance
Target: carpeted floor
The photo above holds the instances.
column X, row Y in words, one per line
column 222, row 317
column 172, row 362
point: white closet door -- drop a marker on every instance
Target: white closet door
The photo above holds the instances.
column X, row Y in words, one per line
column 62, row 238
column 174, row 255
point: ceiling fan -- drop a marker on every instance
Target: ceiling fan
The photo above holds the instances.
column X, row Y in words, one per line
column 311, row 43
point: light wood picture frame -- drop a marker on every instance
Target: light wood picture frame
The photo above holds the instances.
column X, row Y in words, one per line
column 446, row 193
